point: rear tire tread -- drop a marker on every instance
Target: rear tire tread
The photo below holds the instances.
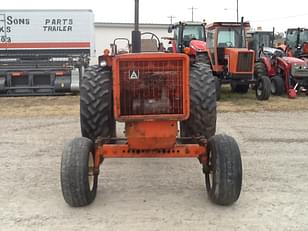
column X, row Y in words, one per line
column 202, row 120
column 96, row 112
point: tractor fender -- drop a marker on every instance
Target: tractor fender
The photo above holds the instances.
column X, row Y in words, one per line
column 270, row 69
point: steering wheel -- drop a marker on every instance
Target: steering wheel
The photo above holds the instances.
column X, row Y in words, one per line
column 152, row 36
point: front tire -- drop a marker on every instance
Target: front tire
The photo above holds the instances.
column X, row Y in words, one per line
column 78, row 181
column 223, row 172
column 202, row 120
column 263, row 88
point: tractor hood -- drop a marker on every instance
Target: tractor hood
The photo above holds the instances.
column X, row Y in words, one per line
column 240, row 60
column 293, row 60
column 198, row 45
column 231, row 50
column 269, row 51
column 299, row 67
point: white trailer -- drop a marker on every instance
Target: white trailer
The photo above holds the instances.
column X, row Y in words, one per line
column 44, row 52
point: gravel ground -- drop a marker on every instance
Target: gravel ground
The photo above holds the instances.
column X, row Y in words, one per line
column 157, row 194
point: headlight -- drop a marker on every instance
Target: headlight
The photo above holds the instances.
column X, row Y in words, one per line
column 103, row 63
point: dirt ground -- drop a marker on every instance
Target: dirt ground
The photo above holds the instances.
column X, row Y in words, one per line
column 152, row 194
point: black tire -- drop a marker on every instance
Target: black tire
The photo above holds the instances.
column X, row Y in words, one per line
column 203, row 57
column 78, row 181
column 96, row 104
column 223, row 174
column 277, row 85
column 263, row 88
column 218, row 88
column 260, row 70
column 241, row 88
column 202, row 120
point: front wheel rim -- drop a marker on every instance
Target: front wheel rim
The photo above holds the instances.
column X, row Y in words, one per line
column 91, row 171
column 260, row 88
column 209, row 175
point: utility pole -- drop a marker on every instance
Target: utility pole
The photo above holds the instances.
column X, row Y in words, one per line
column 192, row 12
column 236, row 10
column 171, row 17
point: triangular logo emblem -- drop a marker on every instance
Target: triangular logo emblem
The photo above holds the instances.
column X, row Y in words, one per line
column 134, row 75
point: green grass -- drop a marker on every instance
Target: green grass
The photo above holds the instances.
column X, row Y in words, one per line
column 235, row 102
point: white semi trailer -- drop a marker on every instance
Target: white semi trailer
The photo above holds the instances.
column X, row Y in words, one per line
column 44, row 52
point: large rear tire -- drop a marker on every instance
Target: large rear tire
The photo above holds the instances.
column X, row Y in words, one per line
column 96, row 104
column 277, row 85
column 223, row 172
column 78, row 181
column 202, row 120
column 260, row 70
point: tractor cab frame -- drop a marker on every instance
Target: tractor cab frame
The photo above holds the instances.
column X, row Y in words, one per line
column 184, row 33
column 297, row 42
column 258, row 40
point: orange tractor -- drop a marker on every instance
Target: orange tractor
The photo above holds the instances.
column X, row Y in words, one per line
column 231, row 60
column 222, row 45
column 154, row 94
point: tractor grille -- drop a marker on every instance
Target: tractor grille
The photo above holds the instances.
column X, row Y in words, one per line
column 151, row 87
column 245, row 62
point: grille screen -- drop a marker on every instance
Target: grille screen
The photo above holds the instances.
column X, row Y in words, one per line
column 245, row 62
column 151, row 87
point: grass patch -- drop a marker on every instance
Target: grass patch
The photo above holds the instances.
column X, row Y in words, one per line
column 234, row 102
column 15, row 107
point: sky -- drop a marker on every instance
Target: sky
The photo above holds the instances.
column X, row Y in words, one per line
column 261, row 13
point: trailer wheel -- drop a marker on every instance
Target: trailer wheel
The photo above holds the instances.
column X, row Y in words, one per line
column 223, row 172
column 96, row 104
column 202, row 120
column 78, row 181
column 277, row 85
column 263, row 88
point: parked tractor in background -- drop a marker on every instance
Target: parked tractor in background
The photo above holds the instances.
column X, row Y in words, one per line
column 258, row 40
column 231, row 60
column 287, row 74
column 297, row 42
column 189, row 38
column 150, row 92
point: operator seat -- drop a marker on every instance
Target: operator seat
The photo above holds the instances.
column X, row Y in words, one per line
column 149, row 45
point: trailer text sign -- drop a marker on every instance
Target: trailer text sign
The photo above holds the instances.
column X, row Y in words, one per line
column 35, row 29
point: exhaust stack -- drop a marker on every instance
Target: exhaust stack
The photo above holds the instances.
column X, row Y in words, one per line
column 242, row 32
column 136, row 34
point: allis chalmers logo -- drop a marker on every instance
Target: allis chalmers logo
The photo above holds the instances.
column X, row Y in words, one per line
column 134, row 74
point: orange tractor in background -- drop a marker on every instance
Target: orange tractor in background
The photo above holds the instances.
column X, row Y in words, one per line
column 155, row 95
column 222, row 46
column 231, row 60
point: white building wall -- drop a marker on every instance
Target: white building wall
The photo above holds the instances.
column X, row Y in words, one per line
column 105, row 33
